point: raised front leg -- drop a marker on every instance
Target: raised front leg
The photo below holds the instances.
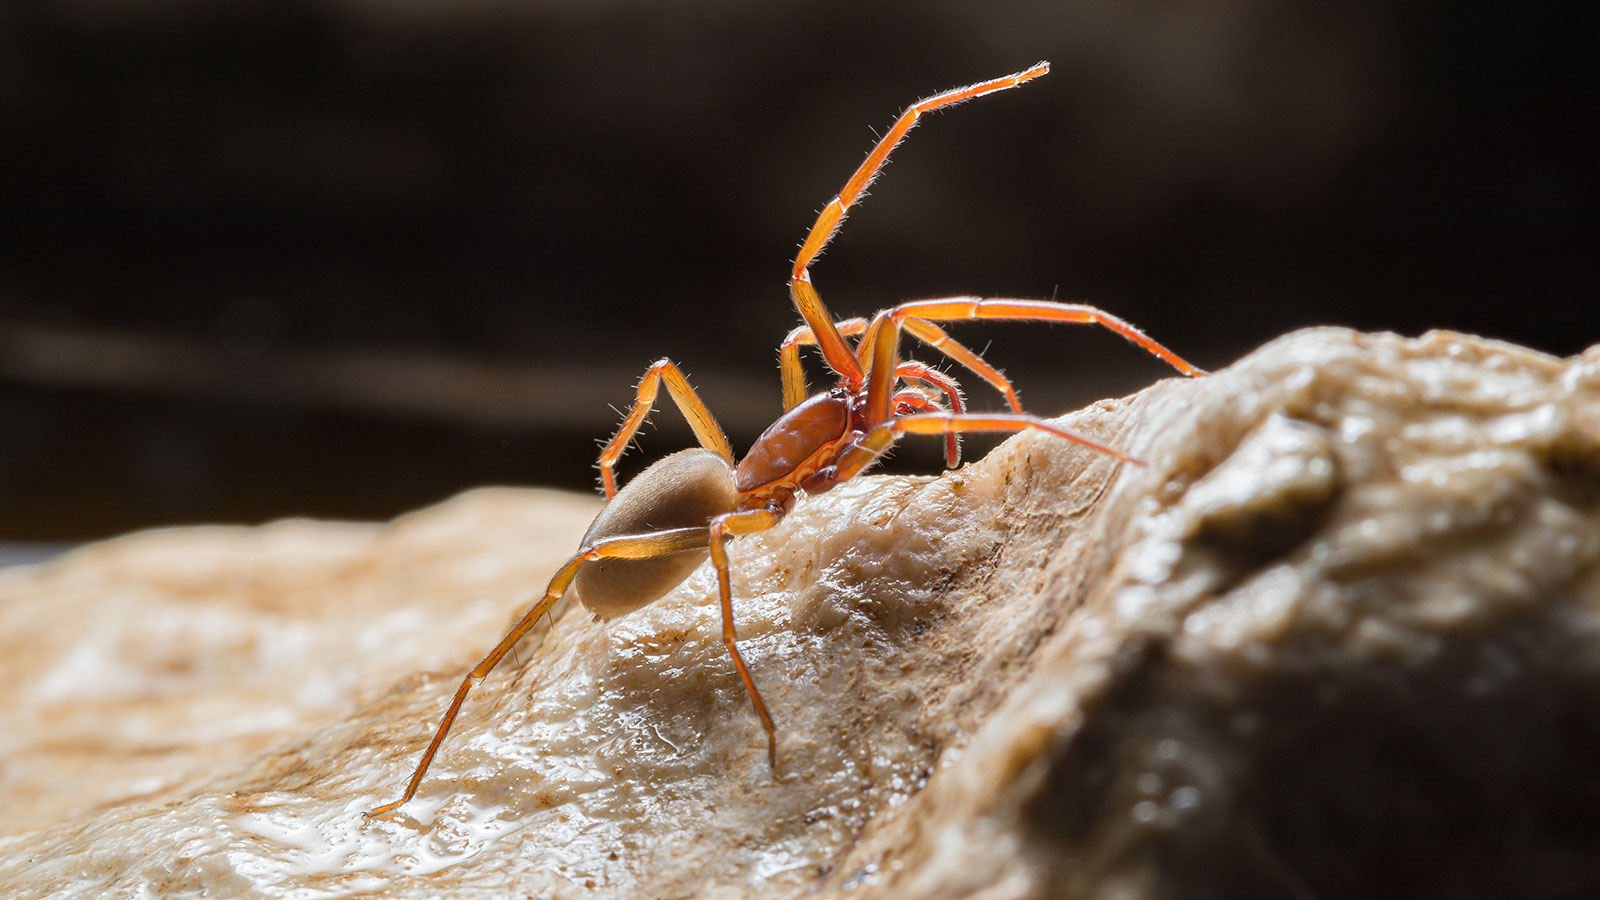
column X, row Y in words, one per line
column 805, row 296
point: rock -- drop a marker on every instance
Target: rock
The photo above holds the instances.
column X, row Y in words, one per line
column 1339, row 637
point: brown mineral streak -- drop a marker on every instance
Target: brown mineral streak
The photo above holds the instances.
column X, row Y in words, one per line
column 1047, row 674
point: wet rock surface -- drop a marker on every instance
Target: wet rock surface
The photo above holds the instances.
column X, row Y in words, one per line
column 1339, row 637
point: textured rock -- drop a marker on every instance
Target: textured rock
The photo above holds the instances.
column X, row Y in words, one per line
column 1339, row 638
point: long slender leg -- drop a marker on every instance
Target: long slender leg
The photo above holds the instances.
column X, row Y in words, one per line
column 694, row 409
column 871, row 445
column 879, row 350
column 882, row 343
column 914, row 318
column 641, row 546
column 722, row 527
column 805, row 297
column 967, row 308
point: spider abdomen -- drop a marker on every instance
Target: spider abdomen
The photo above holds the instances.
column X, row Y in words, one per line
column 684, row 490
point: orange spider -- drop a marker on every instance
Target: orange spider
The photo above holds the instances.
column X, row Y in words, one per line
column 664, row 523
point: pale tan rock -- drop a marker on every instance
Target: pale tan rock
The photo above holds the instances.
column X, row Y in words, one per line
column 1339, row 637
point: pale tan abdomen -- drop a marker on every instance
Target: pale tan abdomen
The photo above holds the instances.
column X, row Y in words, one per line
column 684, row 490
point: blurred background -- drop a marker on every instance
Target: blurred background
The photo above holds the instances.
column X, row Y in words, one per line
column 347, row 257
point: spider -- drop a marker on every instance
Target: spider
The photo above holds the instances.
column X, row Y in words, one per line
column 686, row 506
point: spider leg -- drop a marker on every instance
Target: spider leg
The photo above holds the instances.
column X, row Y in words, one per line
column 805, row 296
column 722, row 527
column 871, row 445
column 637, row 546
column 694, row 409
column 968, row 308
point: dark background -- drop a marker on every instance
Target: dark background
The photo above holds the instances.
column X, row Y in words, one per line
column 346, row 258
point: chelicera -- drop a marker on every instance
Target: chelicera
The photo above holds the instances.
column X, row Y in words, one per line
column 685, row 507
